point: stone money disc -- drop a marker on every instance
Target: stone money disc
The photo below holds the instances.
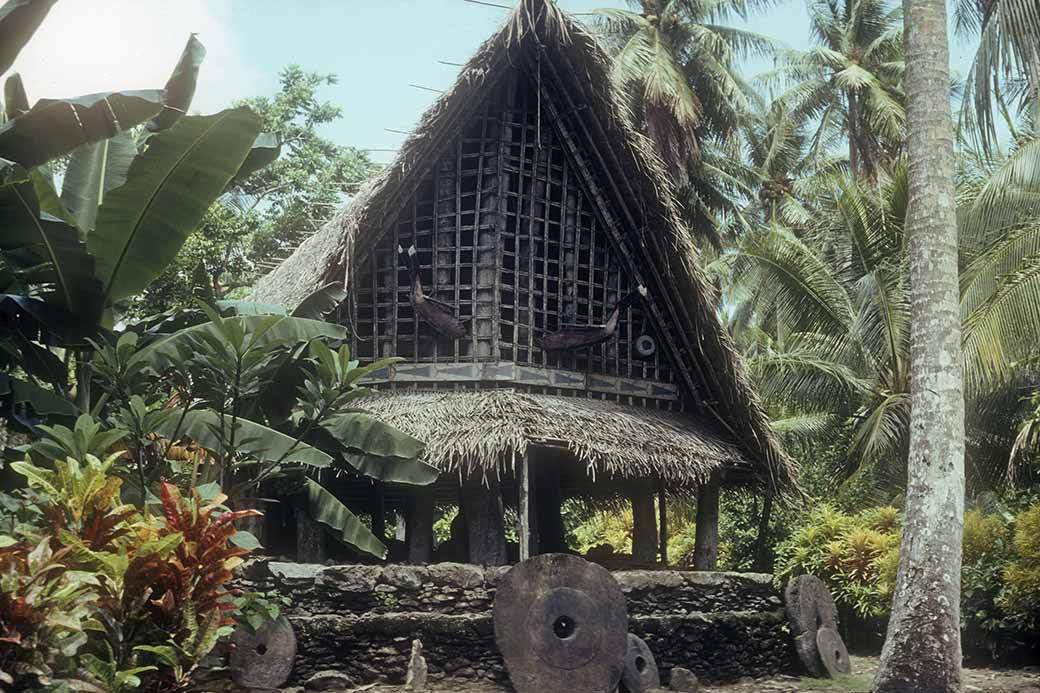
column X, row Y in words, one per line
column 263, row 659
column 561, row 625
column 640, row 674
column 832, row 651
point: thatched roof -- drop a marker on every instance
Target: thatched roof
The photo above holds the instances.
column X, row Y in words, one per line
column 611, row 439
column 574, row 59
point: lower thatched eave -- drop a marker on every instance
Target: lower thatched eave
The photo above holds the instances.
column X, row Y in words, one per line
column 473, row 430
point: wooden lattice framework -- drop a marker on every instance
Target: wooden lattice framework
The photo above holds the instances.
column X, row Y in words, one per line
column 507, row 229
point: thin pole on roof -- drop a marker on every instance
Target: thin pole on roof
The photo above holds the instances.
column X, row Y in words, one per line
column 446, row 62
column 419, row 86
column 488, row 4
column 399, row 132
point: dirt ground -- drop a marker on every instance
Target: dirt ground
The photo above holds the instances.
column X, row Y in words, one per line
column 1026, row 680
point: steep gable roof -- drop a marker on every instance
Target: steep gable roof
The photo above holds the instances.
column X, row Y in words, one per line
column 633, row 177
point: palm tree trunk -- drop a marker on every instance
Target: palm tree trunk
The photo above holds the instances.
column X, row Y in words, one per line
column 853, row 133
column 922, row 647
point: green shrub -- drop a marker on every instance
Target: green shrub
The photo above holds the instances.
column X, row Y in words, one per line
column 854, row 554
column 1021, row 596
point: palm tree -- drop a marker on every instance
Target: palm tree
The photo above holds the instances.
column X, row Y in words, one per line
column 676, row 65
column 1007, row 61
column 851, row 81
column 823, row 316
column 923, row 644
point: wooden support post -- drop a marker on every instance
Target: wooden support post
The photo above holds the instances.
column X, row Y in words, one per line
column 548, row 513
column 310, row 539
column 523, row 507
column 662, row 515
column 419, row 527
column 379, row 512
column 761, row 563
column 644, row 528
column 706, row 543
column 485, row 523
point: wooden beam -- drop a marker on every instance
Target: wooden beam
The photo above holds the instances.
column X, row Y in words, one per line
column 485, row 523
column 662, row 521
column 706, row 543
column 644, row 528
column 523, row 505
column 310, row 539
column 419, row 527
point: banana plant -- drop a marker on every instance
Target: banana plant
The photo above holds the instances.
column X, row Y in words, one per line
column 127, row 203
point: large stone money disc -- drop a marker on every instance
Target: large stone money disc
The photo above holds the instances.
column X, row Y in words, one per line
column 640, row 674
column 811, row 611
column 263, row 659
column 561, row 625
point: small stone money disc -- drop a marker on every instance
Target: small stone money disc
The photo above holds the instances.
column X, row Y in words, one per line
column 832, row 651
column 264, row 658
column 640, row 673
column 561, row 625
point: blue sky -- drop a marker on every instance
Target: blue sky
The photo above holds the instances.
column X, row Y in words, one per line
column 376, row 47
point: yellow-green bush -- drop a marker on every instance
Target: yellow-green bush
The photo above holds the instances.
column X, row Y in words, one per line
column 852, row 553
column 1020, row 598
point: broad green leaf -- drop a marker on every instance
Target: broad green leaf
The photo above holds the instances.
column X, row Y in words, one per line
column 93, row 170
column 286, row 331
column 180, row 88
column 19, row 20
column 54, row 127
column 6, row 541
column 43, row 402
column 251, row 439
column 246, row 540
column 16, row 101
column 36, row 231
column 265, row 151
column 320, row 303
column 143, row 224
column 359, row 431
column 325, row 508
column 240, row 307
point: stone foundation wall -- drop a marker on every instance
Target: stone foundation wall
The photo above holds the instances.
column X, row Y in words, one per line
column 360, row 619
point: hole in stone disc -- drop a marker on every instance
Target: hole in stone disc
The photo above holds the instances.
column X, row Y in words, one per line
column 261, row 649
column 640, row 664
column 837, row 655
column 564, row 627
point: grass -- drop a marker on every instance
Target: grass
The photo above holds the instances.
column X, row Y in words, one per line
column 855, row 682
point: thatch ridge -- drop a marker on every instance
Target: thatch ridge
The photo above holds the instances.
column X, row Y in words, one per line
column 726, row 391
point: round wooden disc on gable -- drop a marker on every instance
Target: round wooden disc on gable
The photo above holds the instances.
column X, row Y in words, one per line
column 640, row 674
column 561, row 625
column 263, row 658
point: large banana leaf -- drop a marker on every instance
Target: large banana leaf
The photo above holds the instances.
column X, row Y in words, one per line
column 180, row 88
column 325, row 508
column 321, row 302
column 285, row 331
column 379, row 450
column 19, row 20
column 42, row 402
column 16, row 101
column 54, row 127
column 93, row 170
column 143, row 224
column 36, row 230
column 266, row 148
column 252, row 439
